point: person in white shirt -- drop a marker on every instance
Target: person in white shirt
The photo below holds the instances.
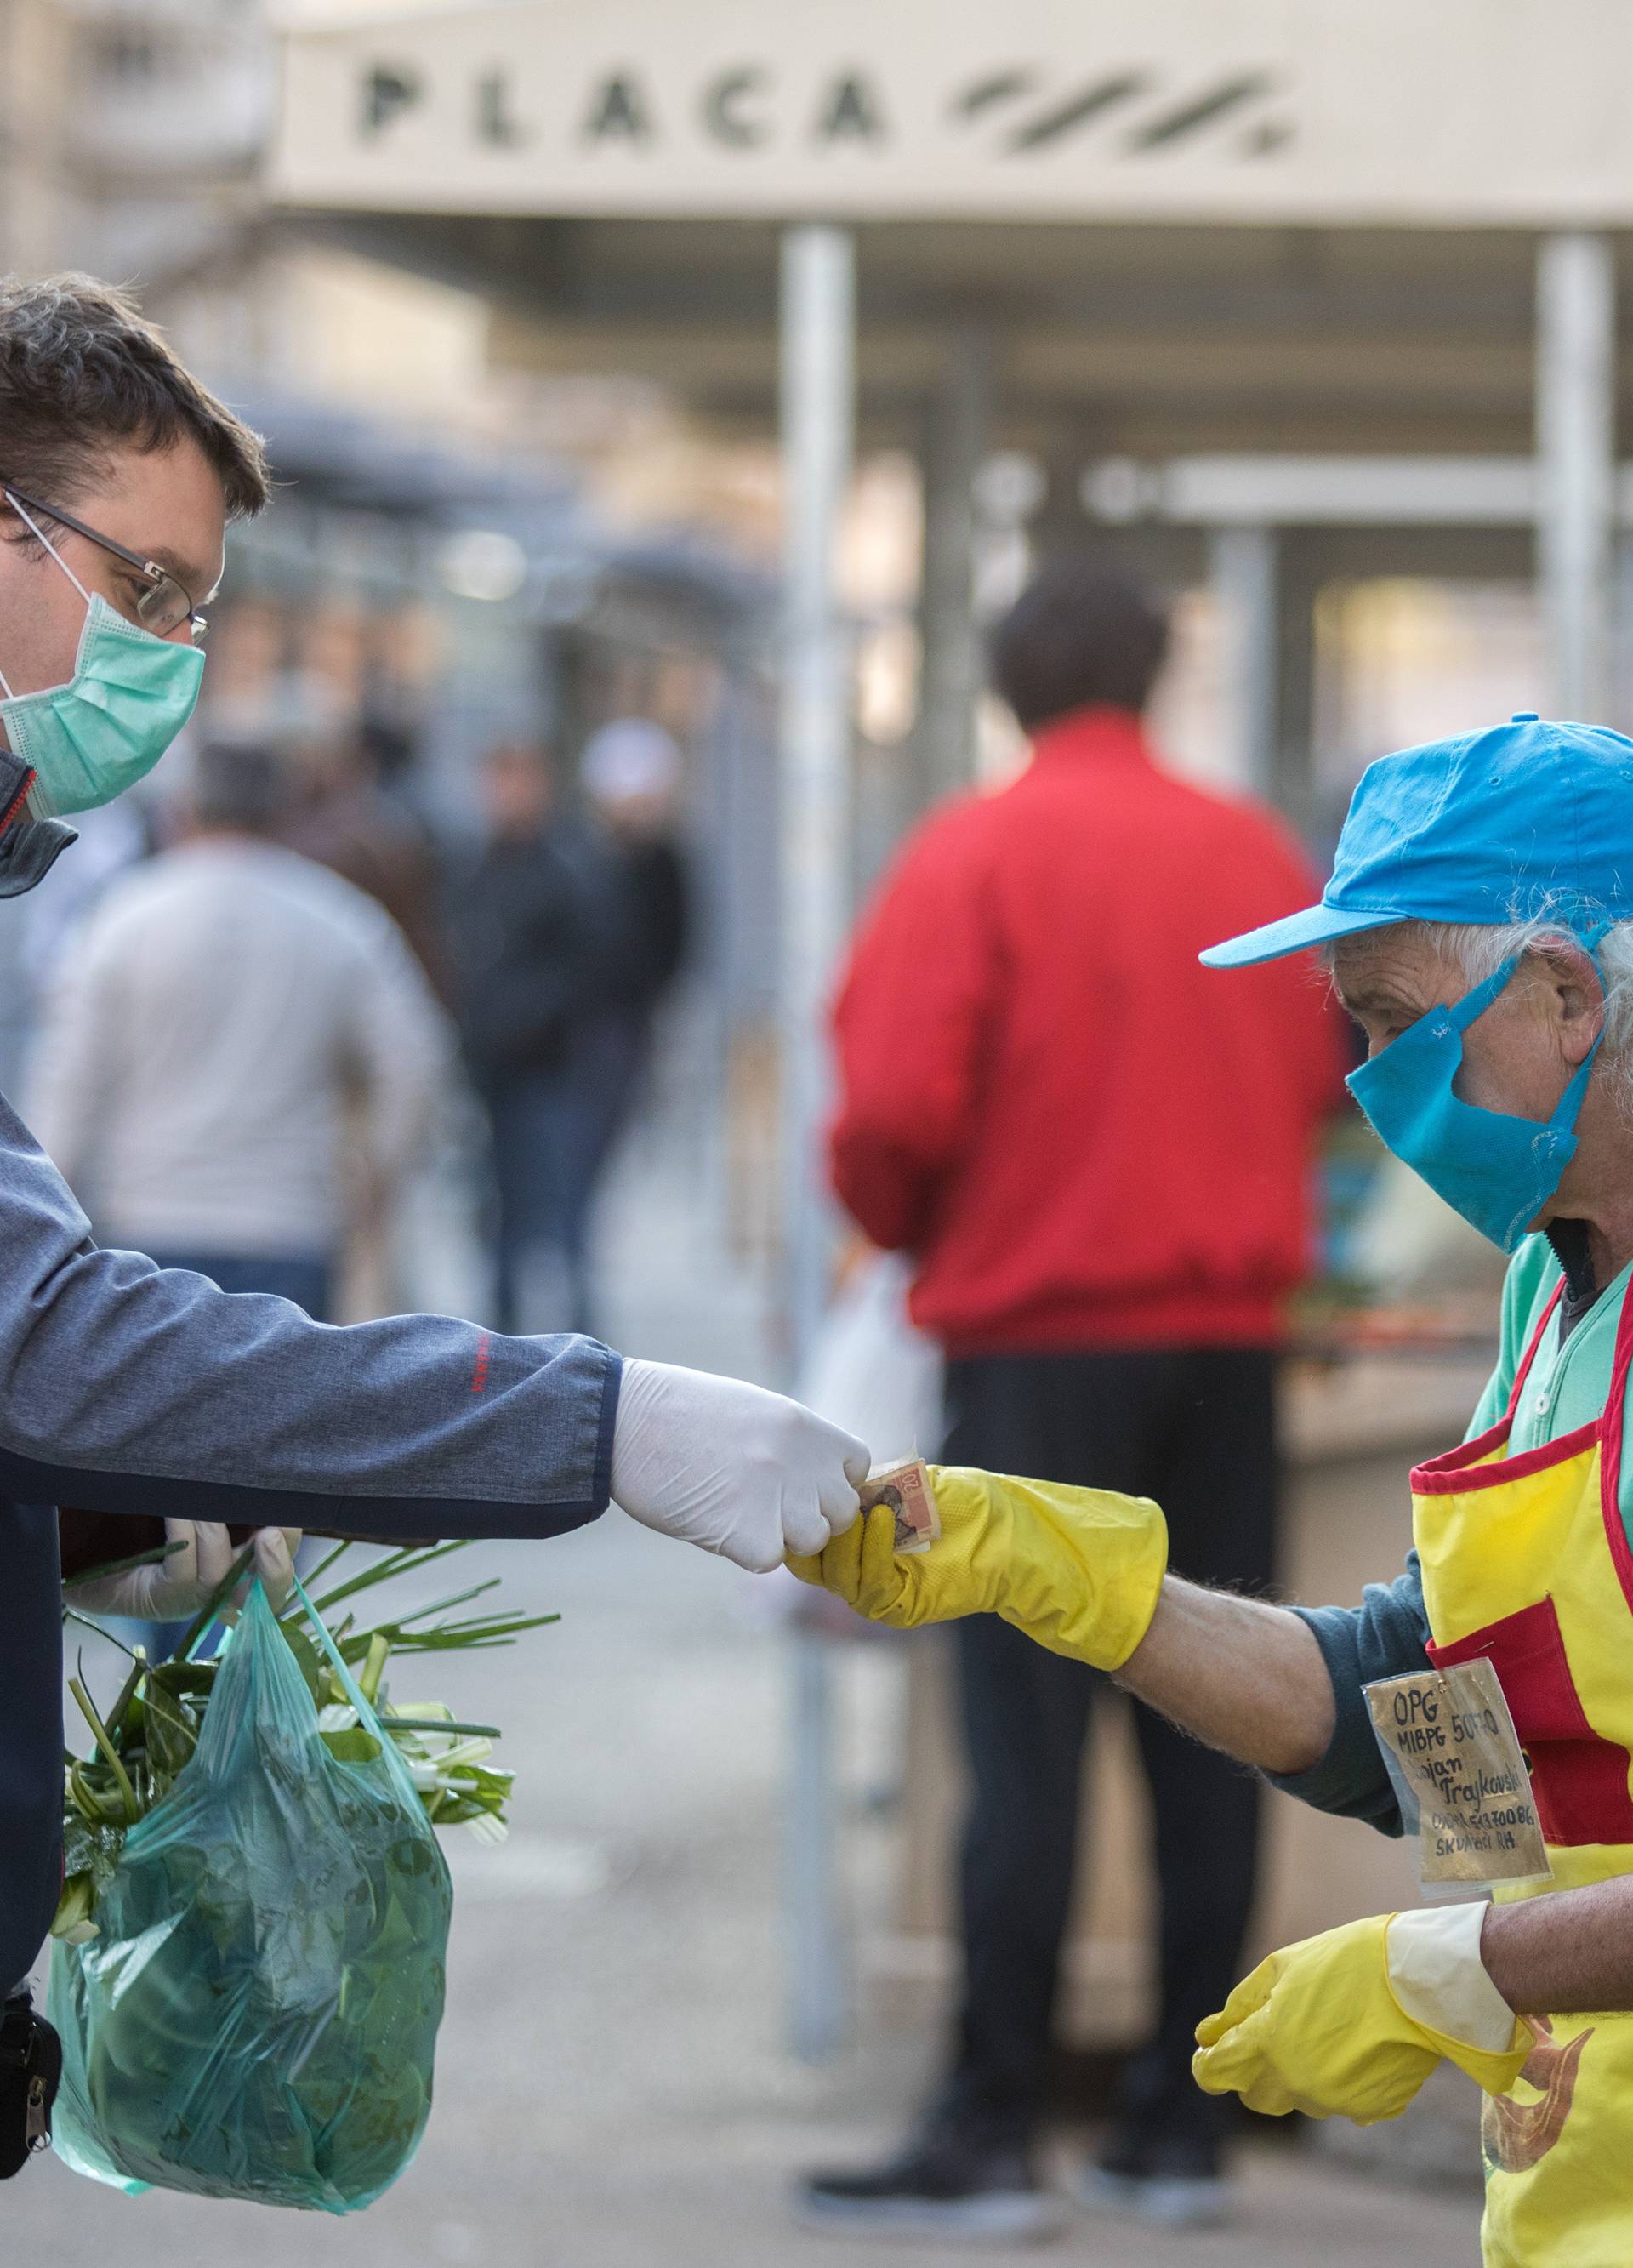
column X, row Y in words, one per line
column 227, row 1022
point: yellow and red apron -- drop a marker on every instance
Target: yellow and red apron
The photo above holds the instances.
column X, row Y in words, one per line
column 1525, row 1562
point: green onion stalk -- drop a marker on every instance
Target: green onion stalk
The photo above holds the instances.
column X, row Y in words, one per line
column 143, row 1742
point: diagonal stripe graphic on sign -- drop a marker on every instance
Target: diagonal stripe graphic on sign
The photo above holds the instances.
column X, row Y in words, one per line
column 1175, row 125
column 1091, row 104
column 999, row 87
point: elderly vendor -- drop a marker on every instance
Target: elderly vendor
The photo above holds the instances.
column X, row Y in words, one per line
column 1479, row 928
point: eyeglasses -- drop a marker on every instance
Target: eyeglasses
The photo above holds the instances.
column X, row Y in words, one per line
column 162, row 606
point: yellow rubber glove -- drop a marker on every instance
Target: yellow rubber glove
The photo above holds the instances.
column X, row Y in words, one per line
column 1078, row 1570
column 1317, row 2027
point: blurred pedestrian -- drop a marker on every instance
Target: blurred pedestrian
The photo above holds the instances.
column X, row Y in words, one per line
column 1108, row 1289
column 342, row 815
column 542, row 922
column 631, row 772
column 199, row 1053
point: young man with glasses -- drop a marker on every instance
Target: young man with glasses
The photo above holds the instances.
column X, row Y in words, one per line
column 125, row 1388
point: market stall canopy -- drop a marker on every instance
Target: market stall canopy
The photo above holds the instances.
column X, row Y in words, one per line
column 1258, row 213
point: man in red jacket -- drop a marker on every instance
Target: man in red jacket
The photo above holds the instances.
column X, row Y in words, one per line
column 1103, row 1169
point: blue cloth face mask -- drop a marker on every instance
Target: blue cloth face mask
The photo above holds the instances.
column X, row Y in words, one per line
column 1498, row 1172
column 129, row 695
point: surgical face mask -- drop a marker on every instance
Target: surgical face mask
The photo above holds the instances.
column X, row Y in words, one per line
column 1498, row 1172
column 129, row 695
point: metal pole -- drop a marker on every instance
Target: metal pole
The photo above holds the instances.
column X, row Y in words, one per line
column 955, row 440
column 1575, row 466
column 1242, row 570
column 818, row 416
column 818, row 386
column 817, row 1967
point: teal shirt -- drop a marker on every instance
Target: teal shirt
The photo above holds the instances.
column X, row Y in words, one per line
column 1387, row 1634
column 1568, row 1386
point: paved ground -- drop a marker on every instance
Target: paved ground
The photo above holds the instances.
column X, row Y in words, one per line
column 612, row 2090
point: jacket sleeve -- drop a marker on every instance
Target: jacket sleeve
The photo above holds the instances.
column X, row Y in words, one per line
column 1385, row 1636
column 908, row 1024
column 125, row 1387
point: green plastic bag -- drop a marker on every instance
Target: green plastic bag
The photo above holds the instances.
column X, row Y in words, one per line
column 258, row 2017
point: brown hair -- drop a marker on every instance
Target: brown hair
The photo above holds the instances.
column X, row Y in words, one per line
column 81, row 372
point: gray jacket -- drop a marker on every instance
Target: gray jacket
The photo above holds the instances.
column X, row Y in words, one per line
column 127, row 1389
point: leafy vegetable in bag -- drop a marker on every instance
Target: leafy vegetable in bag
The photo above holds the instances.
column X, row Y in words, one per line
column 256, row 1915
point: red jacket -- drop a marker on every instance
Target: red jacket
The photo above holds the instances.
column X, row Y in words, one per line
column 1088, row 1139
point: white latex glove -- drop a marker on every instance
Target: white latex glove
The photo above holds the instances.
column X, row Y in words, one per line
column 179, row 1585
column 730, row 1468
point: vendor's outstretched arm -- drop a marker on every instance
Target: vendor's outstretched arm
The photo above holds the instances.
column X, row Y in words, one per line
column 1242, row 1675
column 1083, row 1572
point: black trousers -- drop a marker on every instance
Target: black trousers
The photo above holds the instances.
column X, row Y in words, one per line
column 1194, row 1428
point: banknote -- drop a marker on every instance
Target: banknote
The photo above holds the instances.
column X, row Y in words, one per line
column 905, row 1487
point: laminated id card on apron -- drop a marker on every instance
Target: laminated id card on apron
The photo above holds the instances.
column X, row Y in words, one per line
column 1459, row 1774
column 1526, row 1565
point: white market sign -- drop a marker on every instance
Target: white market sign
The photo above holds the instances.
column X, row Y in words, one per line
column 1459, row 111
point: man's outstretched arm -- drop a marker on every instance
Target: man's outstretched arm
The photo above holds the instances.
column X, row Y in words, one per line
column 1242, row 1675
column 128, row 1389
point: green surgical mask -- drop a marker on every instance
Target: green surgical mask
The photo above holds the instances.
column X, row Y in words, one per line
column 129, row 695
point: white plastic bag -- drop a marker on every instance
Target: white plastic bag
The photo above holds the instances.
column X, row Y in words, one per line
column 871, row 1371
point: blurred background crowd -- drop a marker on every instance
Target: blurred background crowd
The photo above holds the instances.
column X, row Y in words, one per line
column 459, row 957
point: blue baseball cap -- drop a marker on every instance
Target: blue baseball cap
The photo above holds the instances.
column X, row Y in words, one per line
column 1521, row 820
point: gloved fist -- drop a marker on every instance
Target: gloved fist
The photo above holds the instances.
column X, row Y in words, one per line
column 1078, row 1570
column 1319, row 2027
column 730, row 1467
column 178, row 1585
